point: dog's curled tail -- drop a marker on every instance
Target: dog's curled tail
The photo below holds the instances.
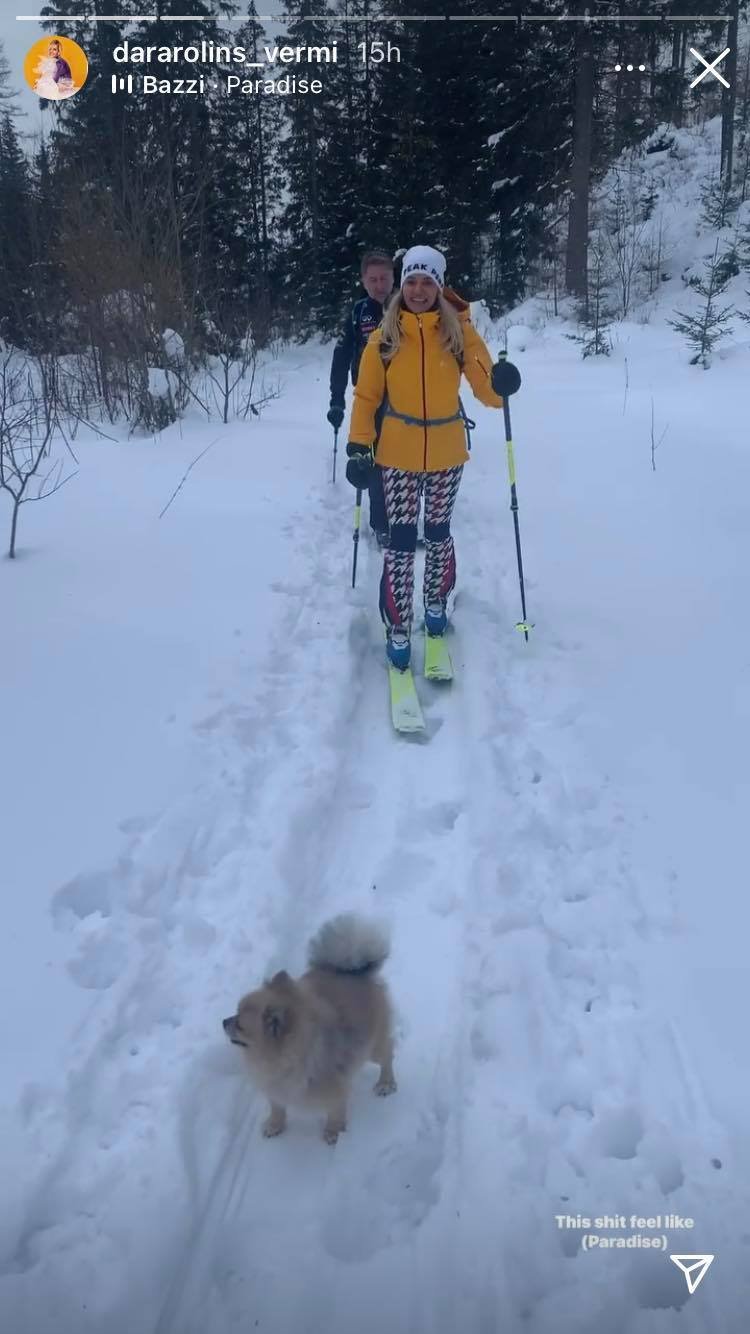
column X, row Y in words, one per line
column 349, row 944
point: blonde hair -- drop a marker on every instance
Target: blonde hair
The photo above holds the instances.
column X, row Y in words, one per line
column 449, row 325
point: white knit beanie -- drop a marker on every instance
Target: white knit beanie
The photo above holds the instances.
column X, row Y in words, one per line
column 422, row 259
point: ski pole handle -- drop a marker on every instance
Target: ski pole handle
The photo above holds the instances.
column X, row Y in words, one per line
column 523, row 625
column 503, row 356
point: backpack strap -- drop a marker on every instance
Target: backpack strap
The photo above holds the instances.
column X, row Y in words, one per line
column 389, row 411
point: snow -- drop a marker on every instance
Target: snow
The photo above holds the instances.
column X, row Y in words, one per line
column 199, row 770
column 173, row 344
column 158, row 382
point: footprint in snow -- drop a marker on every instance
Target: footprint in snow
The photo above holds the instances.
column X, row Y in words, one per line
column 361, row 795
column 657, row 1286
column 659, row 1156
column 392, row 1199
column 442, row 817
column 402, row 871
column 139, row 824
column 86, row 895
column 618, row 1132
column 84, row 908
column 100, row 960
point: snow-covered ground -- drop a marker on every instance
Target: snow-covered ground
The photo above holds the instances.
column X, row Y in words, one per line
column 198, row 768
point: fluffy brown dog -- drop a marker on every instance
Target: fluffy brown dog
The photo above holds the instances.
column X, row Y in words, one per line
column 305, row 1038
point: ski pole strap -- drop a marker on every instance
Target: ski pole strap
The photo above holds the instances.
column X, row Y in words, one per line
column 469, row 425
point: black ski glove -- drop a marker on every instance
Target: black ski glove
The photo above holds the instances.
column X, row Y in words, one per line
column 359, row 467
column 506, row 378
column 335, row 415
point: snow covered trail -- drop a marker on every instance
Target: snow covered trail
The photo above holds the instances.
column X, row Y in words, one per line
column 371, row 1223
column 532, row 1083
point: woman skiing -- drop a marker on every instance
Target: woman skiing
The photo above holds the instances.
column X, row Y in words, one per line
column 413, row 364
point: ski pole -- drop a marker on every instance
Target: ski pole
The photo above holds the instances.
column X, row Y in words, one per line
column 335, row 443
column 355, row 534
column 524, row 624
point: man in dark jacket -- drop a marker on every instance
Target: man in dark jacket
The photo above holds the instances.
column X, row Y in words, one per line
column 377, row 280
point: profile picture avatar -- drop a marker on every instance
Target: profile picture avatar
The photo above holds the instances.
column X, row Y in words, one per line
column 55, row 68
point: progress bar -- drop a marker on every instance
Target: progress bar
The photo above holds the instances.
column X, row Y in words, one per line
column 337, row 19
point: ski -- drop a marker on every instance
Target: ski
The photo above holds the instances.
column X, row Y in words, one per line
column 406, row 710
column 437, row 659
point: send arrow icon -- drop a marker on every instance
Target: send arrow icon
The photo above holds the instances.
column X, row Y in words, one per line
column 694, row 1267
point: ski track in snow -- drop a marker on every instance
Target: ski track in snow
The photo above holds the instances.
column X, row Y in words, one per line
column 492, row 858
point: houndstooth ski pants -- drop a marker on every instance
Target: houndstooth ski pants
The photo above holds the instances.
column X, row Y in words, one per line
column 402, row 492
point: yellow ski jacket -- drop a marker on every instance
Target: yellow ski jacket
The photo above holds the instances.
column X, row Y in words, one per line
column 422, row 430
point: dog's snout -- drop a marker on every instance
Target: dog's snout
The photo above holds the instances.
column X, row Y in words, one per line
column 233, row 1030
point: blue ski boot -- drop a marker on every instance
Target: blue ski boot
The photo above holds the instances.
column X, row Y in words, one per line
column 435, row 619
column 398, row 649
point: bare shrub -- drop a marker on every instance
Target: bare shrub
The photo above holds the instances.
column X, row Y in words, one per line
column 29, row 421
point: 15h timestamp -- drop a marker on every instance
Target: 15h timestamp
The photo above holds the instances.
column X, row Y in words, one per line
column 379, row 52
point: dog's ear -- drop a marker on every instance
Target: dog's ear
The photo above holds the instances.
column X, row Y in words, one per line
column 281, row 981
column 276, row 1020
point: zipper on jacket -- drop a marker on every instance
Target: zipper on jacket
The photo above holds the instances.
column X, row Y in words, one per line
column 424, row 394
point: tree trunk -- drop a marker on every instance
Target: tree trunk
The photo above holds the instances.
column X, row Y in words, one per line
column 653, row 55
column 580, row 172
column 13, row 527
column 620, row 97
column 263, row 166
column 679, row 57
column 729, row 96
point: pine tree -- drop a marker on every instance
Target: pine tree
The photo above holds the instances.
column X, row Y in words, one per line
column 15, row 208
column 7, row 94
column 174, row 166
column 321, row 238
column 527, row 152
column 445, row 192
column 743, row 246
column 576, row 270
column 719, row 201
column 704, row 330
column 466, row 150
column 729, row 94
column 622, row 231
column 595, row 313
column 236, row 271
column 742, row 159
column 729, row 262
column 49, row 296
